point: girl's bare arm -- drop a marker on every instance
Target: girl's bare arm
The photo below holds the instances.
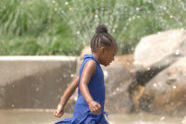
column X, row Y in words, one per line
column 69, row 91
column 88, row 70
column 65, row 97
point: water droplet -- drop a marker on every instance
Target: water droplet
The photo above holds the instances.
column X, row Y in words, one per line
column 133, row 17
column 37, row 89
column 174, row 86
column 177, row 52
column 77, row 32
column 171, row 16
column 64, row 75
column 96, row 16
column 72, row 75
column 12, row 105
column 75, row 98
column 117, row 89
column 105, row 74
column 53, row 1
column 137, row 9
column 164, row 7
column 66, row 3
column 155, row 85
column 162, row 118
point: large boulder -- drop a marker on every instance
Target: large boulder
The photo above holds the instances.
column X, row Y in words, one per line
column 166, row 93
column 154, row 54
column 159, row 50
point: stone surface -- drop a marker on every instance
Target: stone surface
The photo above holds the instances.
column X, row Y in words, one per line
column 118, row 76
column 166, row 93
column 36, row 83
column 155, row 57
column 160, row 49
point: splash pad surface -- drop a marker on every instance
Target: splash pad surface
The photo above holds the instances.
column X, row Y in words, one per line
column 31, row 116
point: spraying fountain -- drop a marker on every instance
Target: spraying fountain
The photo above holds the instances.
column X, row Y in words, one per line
column 122, row 19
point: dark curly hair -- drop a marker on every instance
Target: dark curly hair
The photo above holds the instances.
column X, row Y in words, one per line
column 101, row 38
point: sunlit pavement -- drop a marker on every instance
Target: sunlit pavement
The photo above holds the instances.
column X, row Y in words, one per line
column 46, row 117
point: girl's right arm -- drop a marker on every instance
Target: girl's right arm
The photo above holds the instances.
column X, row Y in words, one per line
column 88, row 70
column 65, row 97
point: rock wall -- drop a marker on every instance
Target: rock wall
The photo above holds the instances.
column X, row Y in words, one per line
column 34, row 82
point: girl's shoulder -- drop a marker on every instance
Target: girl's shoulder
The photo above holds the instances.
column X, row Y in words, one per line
column 90, row 65
column 90, row 57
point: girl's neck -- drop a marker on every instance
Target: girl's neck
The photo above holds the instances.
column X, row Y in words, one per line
column 96, row 56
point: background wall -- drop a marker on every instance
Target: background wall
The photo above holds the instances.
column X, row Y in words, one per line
column 34, row 82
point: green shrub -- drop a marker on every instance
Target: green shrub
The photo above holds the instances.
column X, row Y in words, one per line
column 64, row 27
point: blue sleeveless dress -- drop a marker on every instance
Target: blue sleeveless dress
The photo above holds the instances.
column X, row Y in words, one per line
column 82, row 114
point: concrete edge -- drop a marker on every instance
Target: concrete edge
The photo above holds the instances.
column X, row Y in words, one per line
column 38, row 58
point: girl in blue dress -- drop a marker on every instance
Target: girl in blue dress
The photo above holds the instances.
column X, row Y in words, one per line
column 89, row 107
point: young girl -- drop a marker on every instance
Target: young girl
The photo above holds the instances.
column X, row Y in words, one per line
column 89, row 107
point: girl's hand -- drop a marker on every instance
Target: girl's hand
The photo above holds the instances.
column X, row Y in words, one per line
column 95, row 107
column 59, row 111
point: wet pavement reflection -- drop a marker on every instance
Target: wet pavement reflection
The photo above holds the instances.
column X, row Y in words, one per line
column 46, row 117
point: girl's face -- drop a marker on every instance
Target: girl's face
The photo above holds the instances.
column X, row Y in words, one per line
column 107, row 55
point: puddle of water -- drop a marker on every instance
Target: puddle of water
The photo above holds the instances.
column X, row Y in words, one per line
column 46, row 117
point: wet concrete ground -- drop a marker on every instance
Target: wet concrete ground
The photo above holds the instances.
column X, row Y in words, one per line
column 46, row 117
